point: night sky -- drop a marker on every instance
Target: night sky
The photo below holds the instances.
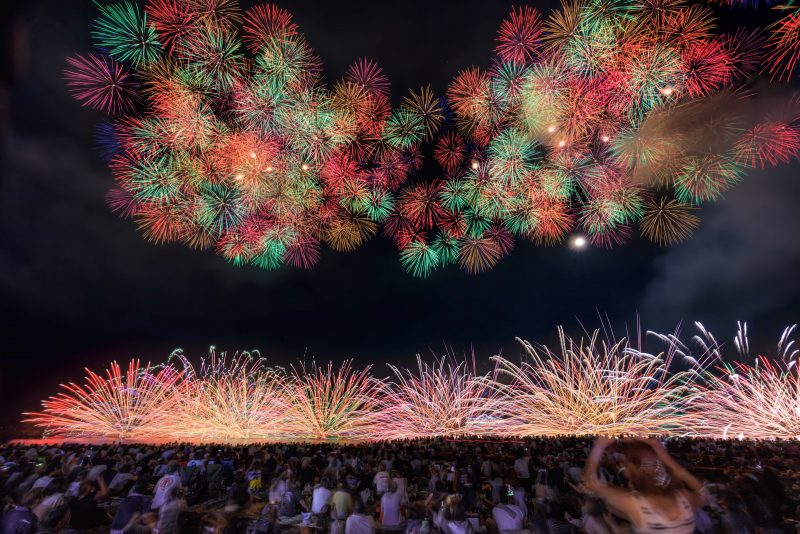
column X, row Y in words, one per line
column 79, row 286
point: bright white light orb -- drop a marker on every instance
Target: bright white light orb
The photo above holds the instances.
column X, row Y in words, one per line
column 578, row 242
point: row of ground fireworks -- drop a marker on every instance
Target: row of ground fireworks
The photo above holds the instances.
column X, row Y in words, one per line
column 606, row 117
column 588, row 386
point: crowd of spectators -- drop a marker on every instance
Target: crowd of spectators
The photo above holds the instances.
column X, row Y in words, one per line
column 540, row 486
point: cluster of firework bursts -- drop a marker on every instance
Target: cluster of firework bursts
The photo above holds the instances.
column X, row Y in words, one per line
column 591, row 385
column 229, row 140
column 607, row 116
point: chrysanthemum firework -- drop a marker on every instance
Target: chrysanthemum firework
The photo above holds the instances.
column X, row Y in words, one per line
column 590, row 386
column 442, row 398
column 229, row 141
column 584, row 116
column 224, row 136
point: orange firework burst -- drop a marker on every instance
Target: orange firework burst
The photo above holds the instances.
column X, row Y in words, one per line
column 667, row 221
column 129, row 407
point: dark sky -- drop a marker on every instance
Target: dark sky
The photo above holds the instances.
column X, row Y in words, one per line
column 79, row 287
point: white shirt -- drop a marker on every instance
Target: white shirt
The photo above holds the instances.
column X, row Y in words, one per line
column 319, row 499
column 381, row 481
column 390, row 508
column 458, row 527
column 164, row 488
column 169, row 515
column 359, row 524
column 508, row 517
column 276, row 492
column 47, row 504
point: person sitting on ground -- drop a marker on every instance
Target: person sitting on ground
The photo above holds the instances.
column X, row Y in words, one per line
column 84, row 510
column 433, row 502
column 52, row 496
column 453, row 518
column 169, row 513
column 507, row 515
column 359, row 522
column 166, row 485
column 20, row 519
column 663, row 495
column 239, row 496
column 381, row 480
column 122, row 480
column 133, row 505
column 321, row 497
column 55, row 520
column 291, row 502
column 341, row 502
column 278, row 487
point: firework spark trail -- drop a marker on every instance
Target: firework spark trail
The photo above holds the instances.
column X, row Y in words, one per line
column 231, row 399
column 583, row 118
column 233, row 143
column 331, row 405
column 114, row 406
column 739, row 399
column 444, row 398
column 591, row 386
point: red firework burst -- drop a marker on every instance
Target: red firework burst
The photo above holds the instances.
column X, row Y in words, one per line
column 784, row 45
column 520, row 35
column 264, row 22
column 369, row 74
column 707, row 66
column 769, row 143
column 173, row 19
column 101, row 83
column 450, row 152
column 420, row 204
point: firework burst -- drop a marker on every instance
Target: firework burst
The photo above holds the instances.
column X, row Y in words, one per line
column 753, row 398
column 331, row 405
column 225, row 137
column 667, row 221
column 130, row 406
column 444, row 398
column 591, row 386
column 236, row 398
